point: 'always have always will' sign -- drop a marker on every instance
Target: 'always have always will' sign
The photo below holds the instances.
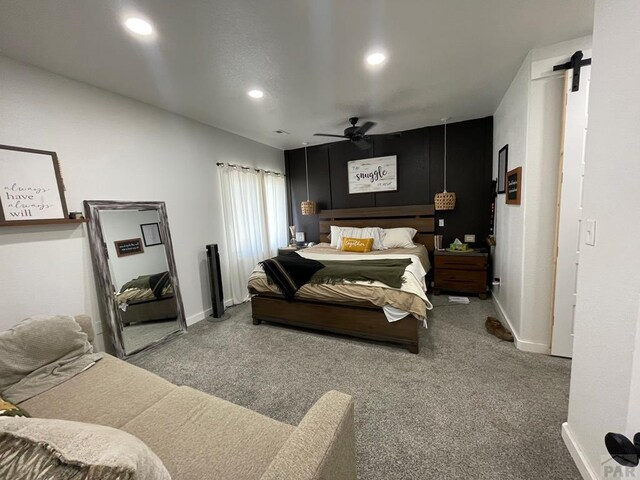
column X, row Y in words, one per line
column 30, row 185
column 373, row 175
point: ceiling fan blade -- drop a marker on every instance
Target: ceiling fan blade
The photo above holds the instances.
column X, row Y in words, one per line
column 365, row 128
column 328, row 135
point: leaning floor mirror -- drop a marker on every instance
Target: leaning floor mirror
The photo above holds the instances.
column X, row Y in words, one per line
column 136, row 273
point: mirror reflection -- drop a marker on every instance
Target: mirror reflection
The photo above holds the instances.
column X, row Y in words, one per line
column 144, row 296
column 145, row 307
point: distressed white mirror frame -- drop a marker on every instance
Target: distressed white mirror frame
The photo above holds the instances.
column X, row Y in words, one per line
column 106, row 289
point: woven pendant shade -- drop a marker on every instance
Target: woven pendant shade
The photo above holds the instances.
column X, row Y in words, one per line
column 308, row 208
column 445, row 200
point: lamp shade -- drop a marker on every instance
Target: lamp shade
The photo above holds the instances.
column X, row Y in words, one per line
column 308, row 208
column 445, row 201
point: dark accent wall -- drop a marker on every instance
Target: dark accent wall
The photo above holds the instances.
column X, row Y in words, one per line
column 420, row 176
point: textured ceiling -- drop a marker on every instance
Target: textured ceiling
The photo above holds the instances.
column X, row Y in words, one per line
column 453, row 58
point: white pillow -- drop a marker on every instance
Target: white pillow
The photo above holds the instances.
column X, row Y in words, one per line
column 334, row 236
column 369, row 232
column 399, row 237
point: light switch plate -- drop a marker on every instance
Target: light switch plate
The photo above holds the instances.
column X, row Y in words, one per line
column 469, row 238
column 441, row 222
column 590, row 232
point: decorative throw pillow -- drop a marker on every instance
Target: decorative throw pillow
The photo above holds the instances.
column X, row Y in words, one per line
column 8, row 409
column 40, row 353
column 399, row 237
column 35, row 448
column 363, row 245
column 369, row 232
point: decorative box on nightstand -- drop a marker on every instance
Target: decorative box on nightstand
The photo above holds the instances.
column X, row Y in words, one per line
column 461, row 272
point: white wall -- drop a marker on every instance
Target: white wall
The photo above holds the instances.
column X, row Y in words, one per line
column 110, row 148
column 510, row 124
column 529, row 120
column 125, row 225
column 606, row 363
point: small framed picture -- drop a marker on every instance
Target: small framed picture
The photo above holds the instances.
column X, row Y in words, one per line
column 133, row 246
column 503, row 161
column 151, row 234
column 514, row 186
column 299, row 236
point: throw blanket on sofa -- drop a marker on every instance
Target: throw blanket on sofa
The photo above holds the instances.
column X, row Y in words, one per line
column 289, row 272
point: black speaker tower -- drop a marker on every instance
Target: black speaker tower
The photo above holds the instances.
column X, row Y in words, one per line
column 215, row 280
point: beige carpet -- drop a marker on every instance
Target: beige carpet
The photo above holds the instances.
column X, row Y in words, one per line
column 467, row 407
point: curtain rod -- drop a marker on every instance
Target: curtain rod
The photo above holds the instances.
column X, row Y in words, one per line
column 243, row 167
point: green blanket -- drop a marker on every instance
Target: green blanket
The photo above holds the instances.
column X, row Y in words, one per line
column 388, row 271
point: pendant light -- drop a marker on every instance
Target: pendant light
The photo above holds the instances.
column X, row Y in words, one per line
column 308, row 207
column 445, row 200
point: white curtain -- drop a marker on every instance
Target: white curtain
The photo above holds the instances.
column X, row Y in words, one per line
column 255, row 221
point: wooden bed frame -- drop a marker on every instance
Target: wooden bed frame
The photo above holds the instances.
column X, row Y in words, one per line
column 358, row 319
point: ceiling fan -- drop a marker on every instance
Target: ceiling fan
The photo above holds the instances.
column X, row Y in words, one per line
column 354, row 133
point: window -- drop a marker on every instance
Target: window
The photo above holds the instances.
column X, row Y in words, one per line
column 255, row 221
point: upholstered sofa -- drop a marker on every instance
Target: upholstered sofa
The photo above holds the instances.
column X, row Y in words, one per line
column 198, row 436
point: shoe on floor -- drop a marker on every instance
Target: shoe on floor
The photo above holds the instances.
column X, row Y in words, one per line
column 495, row 328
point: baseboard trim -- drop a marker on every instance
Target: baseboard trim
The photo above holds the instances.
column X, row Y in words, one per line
column 520, row 344
column 576, row 453
column 199, row 316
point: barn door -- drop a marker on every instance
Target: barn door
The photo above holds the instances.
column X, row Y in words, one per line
column 569, row 223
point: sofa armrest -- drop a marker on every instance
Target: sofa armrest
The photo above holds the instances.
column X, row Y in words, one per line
column 86, row 326
column 322, row 447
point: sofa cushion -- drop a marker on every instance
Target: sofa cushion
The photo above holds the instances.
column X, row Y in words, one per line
column 40, row 353
column 39, row 448
column 201, row 437
column 111, row 393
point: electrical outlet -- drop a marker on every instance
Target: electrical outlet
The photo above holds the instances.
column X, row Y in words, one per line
column 590, row 232
column 441, row 222
column 469, row 238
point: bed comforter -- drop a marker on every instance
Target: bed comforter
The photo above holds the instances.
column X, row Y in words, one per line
column 410, row 298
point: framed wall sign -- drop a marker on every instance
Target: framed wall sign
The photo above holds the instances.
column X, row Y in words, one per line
column 31, row 187
column 503, row 161
column 133, row 246
column 514, row 186
column 373, row 175
column 151, row 234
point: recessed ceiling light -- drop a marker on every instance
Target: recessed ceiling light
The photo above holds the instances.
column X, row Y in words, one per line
column 255, row 93
column 139, row 26
column 376, row 58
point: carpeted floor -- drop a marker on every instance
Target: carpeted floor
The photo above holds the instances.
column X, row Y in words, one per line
column 138, row 335
column 468, row 406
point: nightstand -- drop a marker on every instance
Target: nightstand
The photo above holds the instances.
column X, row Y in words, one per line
column 461, row 272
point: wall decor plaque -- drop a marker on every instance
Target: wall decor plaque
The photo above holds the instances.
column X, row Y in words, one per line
column 373, row 175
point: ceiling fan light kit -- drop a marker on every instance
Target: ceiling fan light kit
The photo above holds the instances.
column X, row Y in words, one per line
column 307, row 207
column 445, row 200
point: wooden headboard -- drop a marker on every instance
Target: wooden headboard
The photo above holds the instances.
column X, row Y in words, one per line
column 419, row 217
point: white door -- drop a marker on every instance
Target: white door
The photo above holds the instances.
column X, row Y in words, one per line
column 569, row 223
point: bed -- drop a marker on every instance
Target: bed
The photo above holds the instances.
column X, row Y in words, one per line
column 356, row 309
column 147, row 298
